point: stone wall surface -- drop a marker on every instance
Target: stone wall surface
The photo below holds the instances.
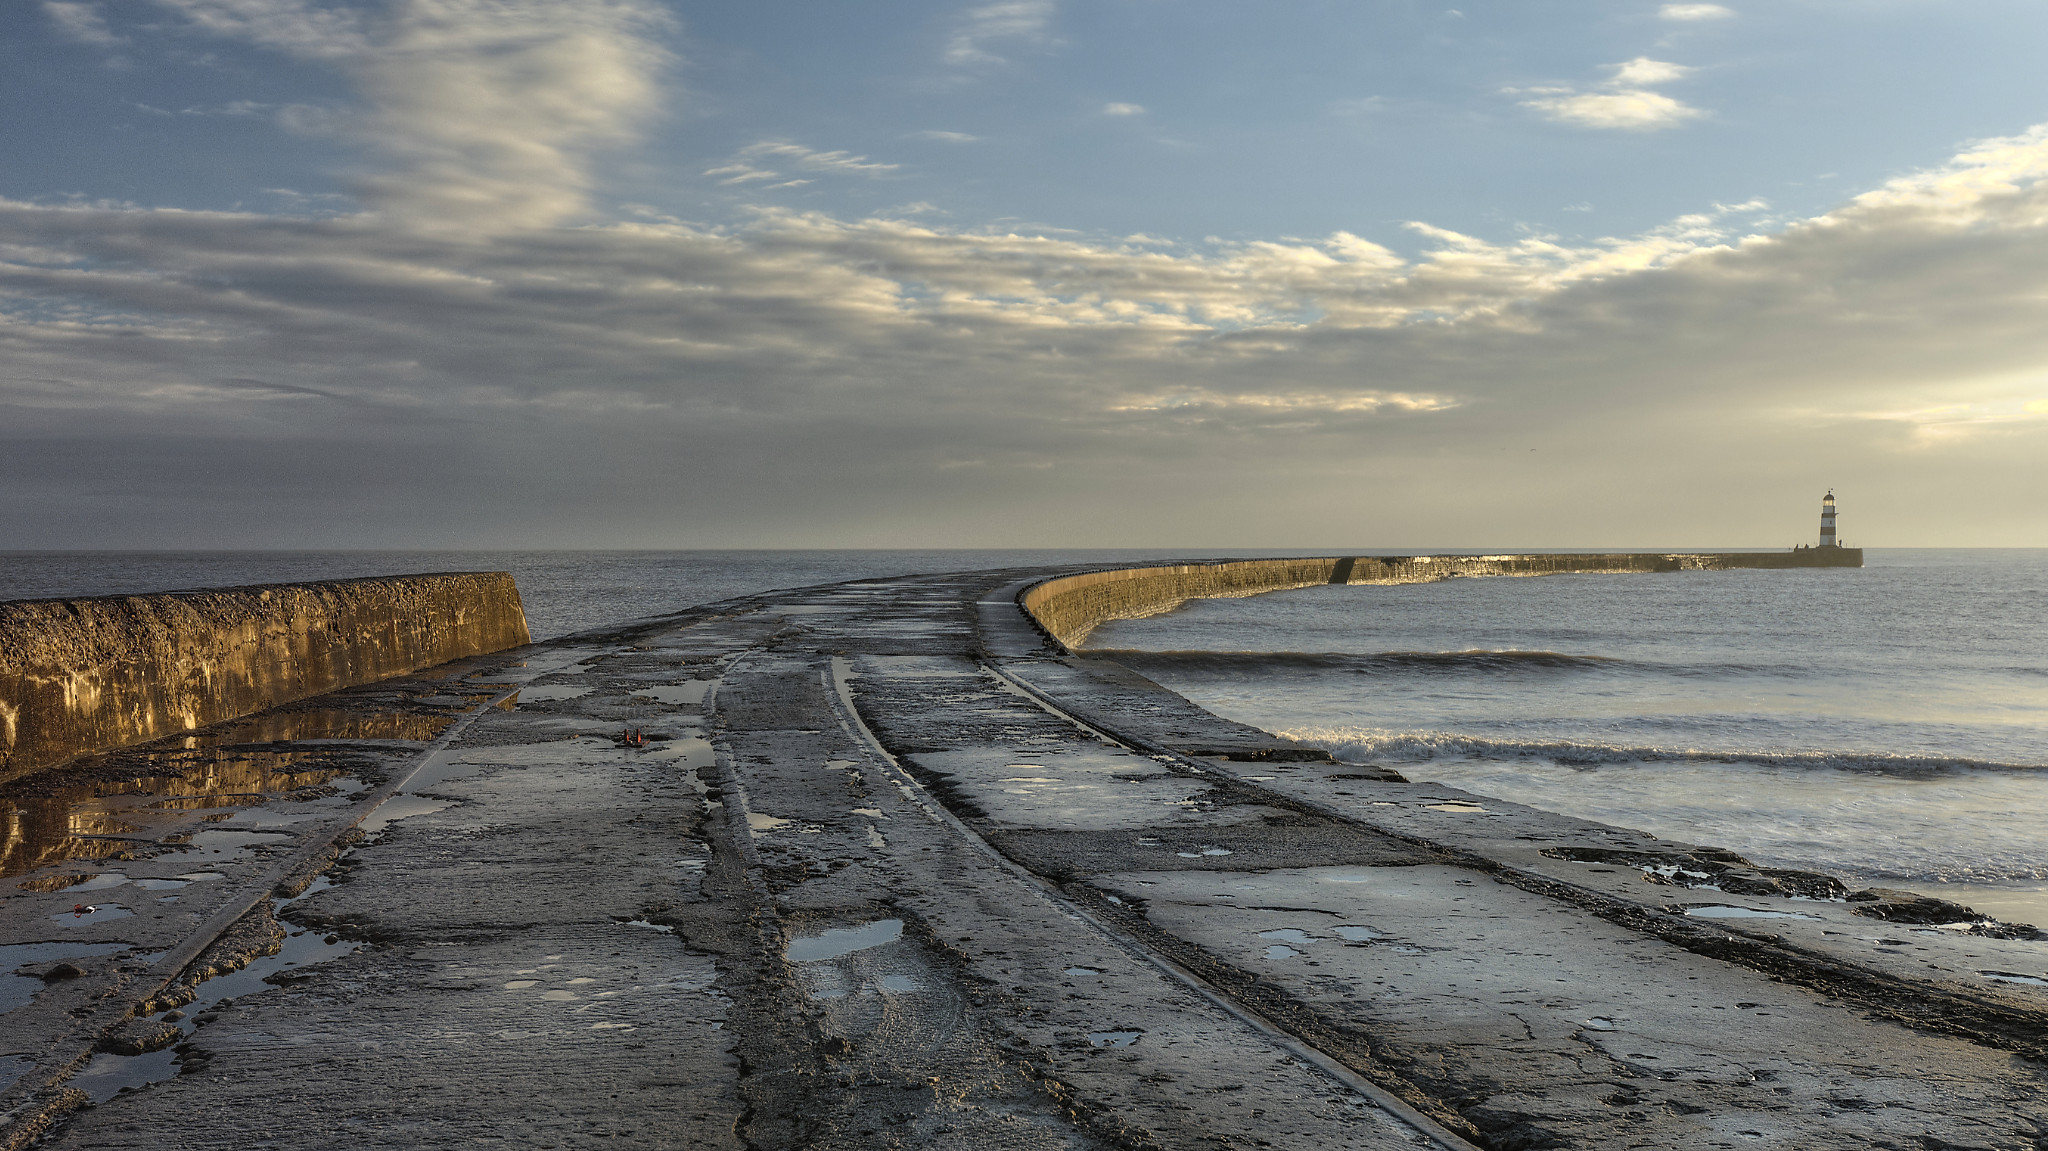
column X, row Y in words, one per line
column 1071, row 606
column 84, row 675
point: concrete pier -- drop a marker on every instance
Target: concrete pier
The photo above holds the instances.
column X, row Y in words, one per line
column 84, row 675
column 889, row 867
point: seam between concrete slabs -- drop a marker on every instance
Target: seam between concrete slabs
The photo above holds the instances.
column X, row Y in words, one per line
column 841, row 696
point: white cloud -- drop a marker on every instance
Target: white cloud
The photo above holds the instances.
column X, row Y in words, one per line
column 1624, row 102
column 946, row 137
column 746, row 165
column 1116, row 109
column 487, row 114
column 1695, row 12
column 82, row 22
column 983, row 27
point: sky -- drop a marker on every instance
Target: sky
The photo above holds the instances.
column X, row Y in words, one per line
column 1363, row 274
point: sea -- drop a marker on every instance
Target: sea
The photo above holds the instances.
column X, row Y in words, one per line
column 1887, row 724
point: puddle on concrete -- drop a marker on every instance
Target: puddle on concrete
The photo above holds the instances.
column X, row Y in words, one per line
column 1467, row 808
column 1351, row 933
column 1600, row 1023
column 1113, row 1038
column 1281, row 951
column 758, row 823
column 2014, row 977
column 837, row 941
column 663, row 928
column 399, row 807
column 92, row 913
column 107, row 1075
column 692, row 750
column 1075, row 971
column 339, row 724
column 690, row 694
column 67, row 815
column 1719, row 911
column 550, row 693
column 18, row 990
column 870, row 812
column 1289, row 935
column 222, row 841
column 1204, row 850
column 896, row 984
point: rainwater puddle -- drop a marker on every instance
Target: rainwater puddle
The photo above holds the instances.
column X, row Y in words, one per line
column 225, row 841
column 400, row 807
column 689, row 694
column 1719, row 911
column 107, row 1075
column 693, row 750
column 2014, row 977
column 551, row 693
column 1113, row 1038
column 663, row 928
column 758, row 823
column 1467, row 808
column 1200, row 852
column 870, row 812
column 1074, row 971
column 18, row 990
column 1355, row 934
column 1600, row 1023
column 896, row 984
column 1289, row 935
column 92, row 913
column 1281, row 951
column 837, row 941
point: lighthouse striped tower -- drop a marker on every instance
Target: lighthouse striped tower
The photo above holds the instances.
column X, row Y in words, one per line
column 1827, row 520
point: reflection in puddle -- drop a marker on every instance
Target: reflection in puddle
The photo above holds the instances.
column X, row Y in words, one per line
column 1600, row 1023
column 896, row 984
column 1469, row 808
column 837, row 941
column 1113, row 1038
column 758, row 823
column 2014, row 977
column 338, row 724
column 1204, row 850
column 1281, row 951
column 400, row 807
column 689, row 694
column 1355, row 934
column 552, row 693
column 1718, row 911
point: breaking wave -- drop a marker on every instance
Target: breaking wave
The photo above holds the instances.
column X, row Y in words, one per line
column 1370, row 745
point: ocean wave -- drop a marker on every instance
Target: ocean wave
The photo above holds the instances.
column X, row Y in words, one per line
column 1363, row 745
column 1477, row 659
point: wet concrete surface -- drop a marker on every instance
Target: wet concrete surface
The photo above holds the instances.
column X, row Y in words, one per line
column 874, row 865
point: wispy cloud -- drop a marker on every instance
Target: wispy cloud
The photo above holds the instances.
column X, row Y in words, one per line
column 81, row 22
column 1625, row 101
column 1118, row 109
column 749, row 164
column 982, row 29
column 486, row 114
column 1695, row 12
column 946, row 137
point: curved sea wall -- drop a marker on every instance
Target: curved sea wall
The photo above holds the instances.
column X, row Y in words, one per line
column 1072, row 606
column 83, row 675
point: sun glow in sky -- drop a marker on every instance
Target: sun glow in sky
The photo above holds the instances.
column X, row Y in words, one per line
column 358, row 273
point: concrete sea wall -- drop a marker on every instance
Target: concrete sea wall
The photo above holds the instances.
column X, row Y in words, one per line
column 1072, row 606
column 84, row 675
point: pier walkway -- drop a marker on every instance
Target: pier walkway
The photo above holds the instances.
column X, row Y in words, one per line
column 889, row 868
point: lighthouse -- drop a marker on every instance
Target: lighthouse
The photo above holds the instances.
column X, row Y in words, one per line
column 1827, row 520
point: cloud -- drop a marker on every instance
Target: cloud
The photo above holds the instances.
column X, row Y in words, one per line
column 946, row 137
column 982, row 28
column 1624, row 102
column 1116, row 109
column 1695, row 12
column 485, row 114
column 81, row 22
column 805, row 378
column 746, row 165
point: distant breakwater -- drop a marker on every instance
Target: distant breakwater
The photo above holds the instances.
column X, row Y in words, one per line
column 79, row 676
column 1070, row 607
